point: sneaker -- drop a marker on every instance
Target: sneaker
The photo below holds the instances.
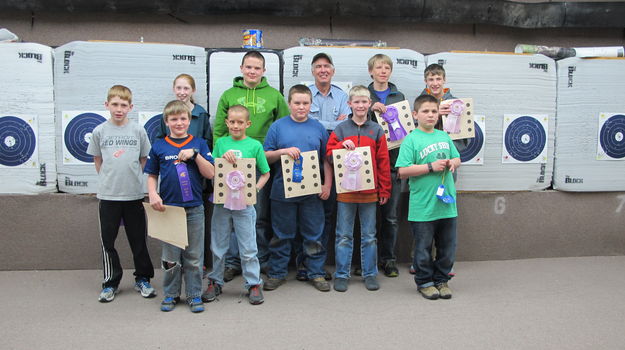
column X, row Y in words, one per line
column 371, row 283
column 412, row 270
column 195, row 304
column 211, row 292
column 169, row 303
column 341, row 284
column 358, row 271
column 145, row 288
column 107, row 294
column 321, row 284
column 230, row 273
column 302, row 275
column 273, row 283
column 444, row 291
column 429, row 292
column 255, row 295
column 390, row 269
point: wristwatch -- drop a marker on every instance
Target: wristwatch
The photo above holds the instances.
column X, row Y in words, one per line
column 431, row 170
column 195, row 152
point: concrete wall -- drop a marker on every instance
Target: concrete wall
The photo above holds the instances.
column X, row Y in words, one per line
column 60, row 231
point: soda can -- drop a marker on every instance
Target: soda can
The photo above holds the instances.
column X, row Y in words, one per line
column 253, row 39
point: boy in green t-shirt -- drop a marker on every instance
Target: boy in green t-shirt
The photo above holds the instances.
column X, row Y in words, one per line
column 238, row 218
column 428, row 157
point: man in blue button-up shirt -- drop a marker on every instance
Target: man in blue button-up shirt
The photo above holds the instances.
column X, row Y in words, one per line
column 329, row 104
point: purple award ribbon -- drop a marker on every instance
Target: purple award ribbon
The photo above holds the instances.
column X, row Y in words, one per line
column 352, row 161
column 396, row 130
column 185, row 183
column 235, row 200
column 452, row 124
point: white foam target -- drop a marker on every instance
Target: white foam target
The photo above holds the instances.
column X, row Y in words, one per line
column 473, row 154
column 27, row 132
column 500, row 85
column 84, row 71
column 524, row 138
column 224, row 65
column 590, row 146
column 351, row 68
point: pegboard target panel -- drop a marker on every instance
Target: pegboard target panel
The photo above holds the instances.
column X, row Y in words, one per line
column 223, row 168
column 77, row 131
column 151, row 122
column 353, row 170
column 459, row 123
column 611, row 137
column 397, row 123
column 473, row 154
column 311, row 179
column 524, row 139
column 18, row 142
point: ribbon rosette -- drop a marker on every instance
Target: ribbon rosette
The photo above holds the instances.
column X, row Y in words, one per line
column 396, row 130
column 452, row 124
column 352, row 161
column 235, row 199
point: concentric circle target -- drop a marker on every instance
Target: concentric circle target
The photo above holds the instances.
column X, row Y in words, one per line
column 475, row 145
column 152, row 126
column 612, row 136
column 525, row 139
column 78, row 135
column 17, row 141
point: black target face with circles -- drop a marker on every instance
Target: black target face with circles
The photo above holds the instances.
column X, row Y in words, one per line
column 78, row 135
column 474, row 146
column 152, row 126
column 17, row 141
column 525, row 139
column 612, row 136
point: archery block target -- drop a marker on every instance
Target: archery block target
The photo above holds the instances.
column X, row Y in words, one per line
column 611, row 138
column 524, row 85
column 77, row 130
column 473, row 154
column 28, row 160
column 247, row 166
column 351, row 67
column 151, row 122
column 525, row 139
column 364, row 172
column 18, row 141
column 466, row 129
column 224, row 66
column 311, row 178
column 404, row 117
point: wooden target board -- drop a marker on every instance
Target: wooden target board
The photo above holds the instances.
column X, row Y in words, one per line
column 353, row 170
column 464, row 125
column 311, row 178
column 222, row 168
column 402, row 124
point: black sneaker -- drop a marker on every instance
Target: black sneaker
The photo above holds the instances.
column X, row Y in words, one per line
column 273, row 283
column 357, row 271
column 302, row 275
column 390, row 269
column 230, row 273
column 211, row 292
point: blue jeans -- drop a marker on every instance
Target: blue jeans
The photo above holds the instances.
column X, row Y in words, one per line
column 442, row 234
column 263, row 231
column 243, row 222
column 345, row 238
column 389, row 225
column 289, row 218
column 190, row 259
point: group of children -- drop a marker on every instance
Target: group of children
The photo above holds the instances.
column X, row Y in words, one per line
column 253, row 121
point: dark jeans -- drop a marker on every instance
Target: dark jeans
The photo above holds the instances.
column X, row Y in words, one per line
column 442, row 235
column 389, row 223
column 111, row 213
